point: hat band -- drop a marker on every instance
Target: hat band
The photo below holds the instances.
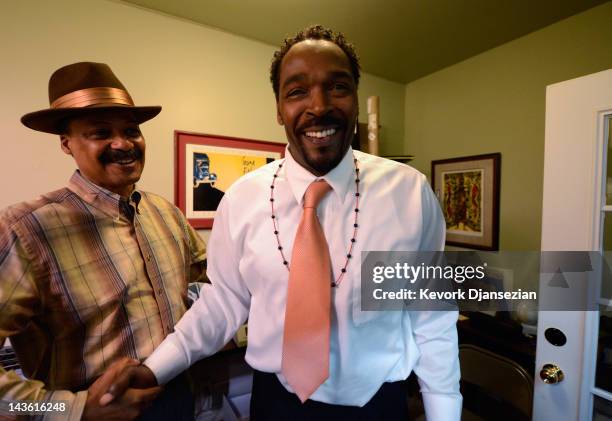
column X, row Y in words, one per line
column 93, row 96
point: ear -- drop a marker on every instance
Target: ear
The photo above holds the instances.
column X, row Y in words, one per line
column 65, row 144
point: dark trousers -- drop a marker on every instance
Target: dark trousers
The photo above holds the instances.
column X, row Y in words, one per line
column 271, row 401
column 175, row 403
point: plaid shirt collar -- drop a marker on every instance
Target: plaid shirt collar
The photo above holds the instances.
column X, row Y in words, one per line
column 108, row 202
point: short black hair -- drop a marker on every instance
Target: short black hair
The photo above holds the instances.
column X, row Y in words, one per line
column 317, row 32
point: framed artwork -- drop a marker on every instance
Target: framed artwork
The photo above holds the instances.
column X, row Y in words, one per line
column 468, row 191
column 206, row 165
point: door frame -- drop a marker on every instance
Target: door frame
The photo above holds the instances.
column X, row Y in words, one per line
column 574, row 168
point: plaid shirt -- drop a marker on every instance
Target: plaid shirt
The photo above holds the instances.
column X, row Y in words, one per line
column 85, row 278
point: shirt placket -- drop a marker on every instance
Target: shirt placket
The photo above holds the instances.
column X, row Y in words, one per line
column 153, row 272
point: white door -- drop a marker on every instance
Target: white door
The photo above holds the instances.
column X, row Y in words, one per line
column 575, row 210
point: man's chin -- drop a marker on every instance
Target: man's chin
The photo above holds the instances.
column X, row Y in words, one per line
column 323, row 164
column 124, row 180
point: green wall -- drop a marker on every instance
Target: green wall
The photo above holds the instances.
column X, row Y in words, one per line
column 495, row 102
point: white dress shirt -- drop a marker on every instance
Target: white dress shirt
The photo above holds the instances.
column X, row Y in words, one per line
column 397, row 212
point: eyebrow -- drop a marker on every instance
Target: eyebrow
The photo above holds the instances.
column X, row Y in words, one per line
column 295, row 78
column 337, row 74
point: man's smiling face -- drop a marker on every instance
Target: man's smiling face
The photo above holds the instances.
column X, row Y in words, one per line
column 317, row 104
column 108, row 148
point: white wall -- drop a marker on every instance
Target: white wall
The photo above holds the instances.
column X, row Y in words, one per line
column 207, row 81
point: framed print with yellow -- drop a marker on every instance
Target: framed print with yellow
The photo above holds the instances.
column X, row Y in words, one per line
column 206, row 165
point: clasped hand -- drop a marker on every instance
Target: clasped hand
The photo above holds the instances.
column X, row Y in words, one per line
column 124, row 390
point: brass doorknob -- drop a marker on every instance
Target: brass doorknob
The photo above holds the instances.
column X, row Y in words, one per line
column 551, row 374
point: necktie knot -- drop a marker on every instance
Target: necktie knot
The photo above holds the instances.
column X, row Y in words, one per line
column 315, row 193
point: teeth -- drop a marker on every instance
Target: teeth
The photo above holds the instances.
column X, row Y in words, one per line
column 321, row 134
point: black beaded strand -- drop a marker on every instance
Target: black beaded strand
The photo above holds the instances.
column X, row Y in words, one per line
column 274, row 222
column 349, row 254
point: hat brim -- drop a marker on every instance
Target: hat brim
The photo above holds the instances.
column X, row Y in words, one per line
column 50, row 120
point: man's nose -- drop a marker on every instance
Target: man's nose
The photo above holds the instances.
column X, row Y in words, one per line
column 121, row 142
column 319, row 102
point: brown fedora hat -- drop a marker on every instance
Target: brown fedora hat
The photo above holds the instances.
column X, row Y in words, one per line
column 79, row 88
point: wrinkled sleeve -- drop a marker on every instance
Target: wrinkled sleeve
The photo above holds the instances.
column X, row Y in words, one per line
column 215, row 317
column 435, row 332
column 19, row 303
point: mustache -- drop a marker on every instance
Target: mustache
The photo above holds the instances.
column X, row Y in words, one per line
column 115, row 155
column 326, row 120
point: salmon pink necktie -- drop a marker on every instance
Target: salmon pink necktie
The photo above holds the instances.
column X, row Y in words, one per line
column 305, row 362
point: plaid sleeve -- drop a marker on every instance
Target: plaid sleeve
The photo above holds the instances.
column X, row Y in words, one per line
column 19, row 302
column 15, row 388
column 19, row 298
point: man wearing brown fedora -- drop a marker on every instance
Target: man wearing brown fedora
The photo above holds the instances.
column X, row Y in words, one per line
column 94, row 275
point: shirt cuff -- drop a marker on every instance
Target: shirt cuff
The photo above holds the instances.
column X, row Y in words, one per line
column 166, row 362
column 442, row 407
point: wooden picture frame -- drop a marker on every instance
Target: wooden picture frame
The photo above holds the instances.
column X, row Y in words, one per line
column 468, row 191
column 206, row 165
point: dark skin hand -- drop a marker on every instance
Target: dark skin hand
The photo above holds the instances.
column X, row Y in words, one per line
column 131, row 379
column 127, row 405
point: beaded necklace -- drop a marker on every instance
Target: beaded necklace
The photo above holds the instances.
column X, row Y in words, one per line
column 349, row 254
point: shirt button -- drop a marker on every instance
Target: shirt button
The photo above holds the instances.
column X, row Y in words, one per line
column 148, row 257
column 160, row 291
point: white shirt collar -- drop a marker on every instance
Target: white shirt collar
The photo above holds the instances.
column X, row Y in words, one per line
column 339, row 178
